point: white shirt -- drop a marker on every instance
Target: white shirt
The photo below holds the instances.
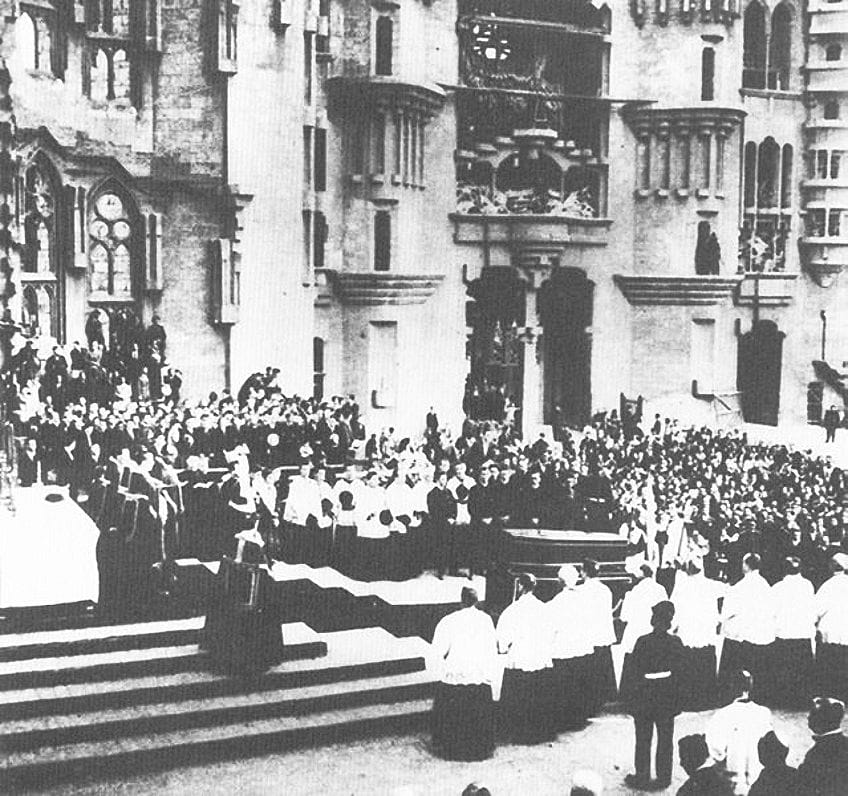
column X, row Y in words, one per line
column 524, row 635
column 400, row 499
column 637, row 609
column 695, row 599
column 831, row 614
column 304, row 498
column 570, row 625
column 464, row 649
column 733, row 734
column 598, row 607
column 794, row 607
column 747, row 613
column 370, row 503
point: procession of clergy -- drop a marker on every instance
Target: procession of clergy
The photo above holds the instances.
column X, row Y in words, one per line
column 777, row 645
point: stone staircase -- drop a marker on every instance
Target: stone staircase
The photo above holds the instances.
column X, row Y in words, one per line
column 83, row 703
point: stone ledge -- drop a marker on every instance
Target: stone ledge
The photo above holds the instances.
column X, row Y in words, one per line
column 370, row 289
column 684, row 291
column 529, row 228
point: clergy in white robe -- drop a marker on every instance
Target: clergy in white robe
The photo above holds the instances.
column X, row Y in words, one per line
column 598, row 607
column 793, row 600
column 524, row 641
column 464, row 658
column 832, row 625
column 747, row 625
column 637, row 608
column 572, row 649
column 696, row 617
column 302, row 509
column 734, row 732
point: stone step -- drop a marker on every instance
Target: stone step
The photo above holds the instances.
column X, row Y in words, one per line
column 101, row 639
column 60, row 729
column 51, row 764
column 351, row 654
column 300, row 641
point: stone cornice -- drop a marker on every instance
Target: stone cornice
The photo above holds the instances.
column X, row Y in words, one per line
column 644, row 120
column 685, row 291
column 371, row 288
column 390, row 91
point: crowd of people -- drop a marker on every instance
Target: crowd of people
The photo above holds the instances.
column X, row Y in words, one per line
column 720, row 531
column 551, row 662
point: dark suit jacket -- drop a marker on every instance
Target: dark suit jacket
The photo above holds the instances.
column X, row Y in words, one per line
column 653, row 697
column 776, row 781
column 707, row 781
column 824, row 771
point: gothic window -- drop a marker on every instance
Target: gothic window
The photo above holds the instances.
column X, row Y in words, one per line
column 384, row 41
column 109, row 17
column 39, row 222
column 111, row 231
column 109, row 75
column 754, row 47
column 35, row 41
column 833, row 52
column 26, row 41
column 768, row 198
column 780, row 48
column 786, row 176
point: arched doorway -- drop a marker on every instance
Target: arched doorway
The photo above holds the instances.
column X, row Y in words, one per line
column 759, row 363
column 565, row 310
column 494, row 313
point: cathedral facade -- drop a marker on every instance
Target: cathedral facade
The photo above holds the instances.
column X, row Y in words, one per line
column 524, row 207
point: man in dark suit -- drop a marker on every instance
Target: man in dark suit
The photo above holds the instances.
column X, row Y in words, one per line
column 441, row 506
column 824, row 771
column 28, row 463
column 704, row 780
column 651, row 692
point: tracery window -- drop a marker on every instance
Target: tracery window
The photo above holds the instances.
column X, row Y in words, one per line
column 109, row 74
column 768, row 198
column 767, row 56
column 111, row 245
column 39, row 222
column 36, row 40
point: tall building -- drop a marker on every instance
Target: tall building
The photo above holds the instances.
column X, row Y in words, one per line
column 528, row 205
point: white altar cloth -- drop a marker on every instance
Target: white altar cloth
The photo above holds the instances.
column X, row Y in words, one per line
column 48, row 551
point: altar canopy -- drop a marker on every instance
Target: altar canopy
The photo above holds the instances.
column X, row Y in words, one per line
column 47, row 551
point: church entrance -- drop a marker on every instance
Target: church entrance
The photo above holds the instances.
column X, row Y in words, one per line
column 565, row 312
column 759, row 361
column 494, row 313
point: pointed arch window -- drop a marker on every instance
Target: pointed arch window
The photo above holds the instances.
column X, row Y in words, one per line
column 112, row 246
column 780, row 48
column 754, row 47
column 39, row 221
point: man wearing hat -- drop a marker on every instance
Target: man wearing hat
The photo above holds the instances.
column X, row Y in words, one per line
column 571, row 650
column 824, row 771
column 832, row 625
column 650, row 687
column 524, row 642
column 795, row 630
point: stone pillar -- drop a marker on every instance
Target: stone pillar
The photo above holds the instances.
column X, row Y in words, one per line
column 534, row 268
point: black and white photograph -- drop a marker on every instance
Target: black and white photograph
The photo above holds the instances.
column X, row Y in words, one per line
column 423, row 397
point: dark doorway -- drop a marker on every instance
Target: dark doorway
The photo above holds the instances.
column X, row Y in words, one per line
column 565, row 310
column 759, row 364
column 494, row 313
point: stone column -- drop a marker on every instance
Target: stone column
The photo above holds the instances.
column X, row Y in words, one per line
column 534, row 268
